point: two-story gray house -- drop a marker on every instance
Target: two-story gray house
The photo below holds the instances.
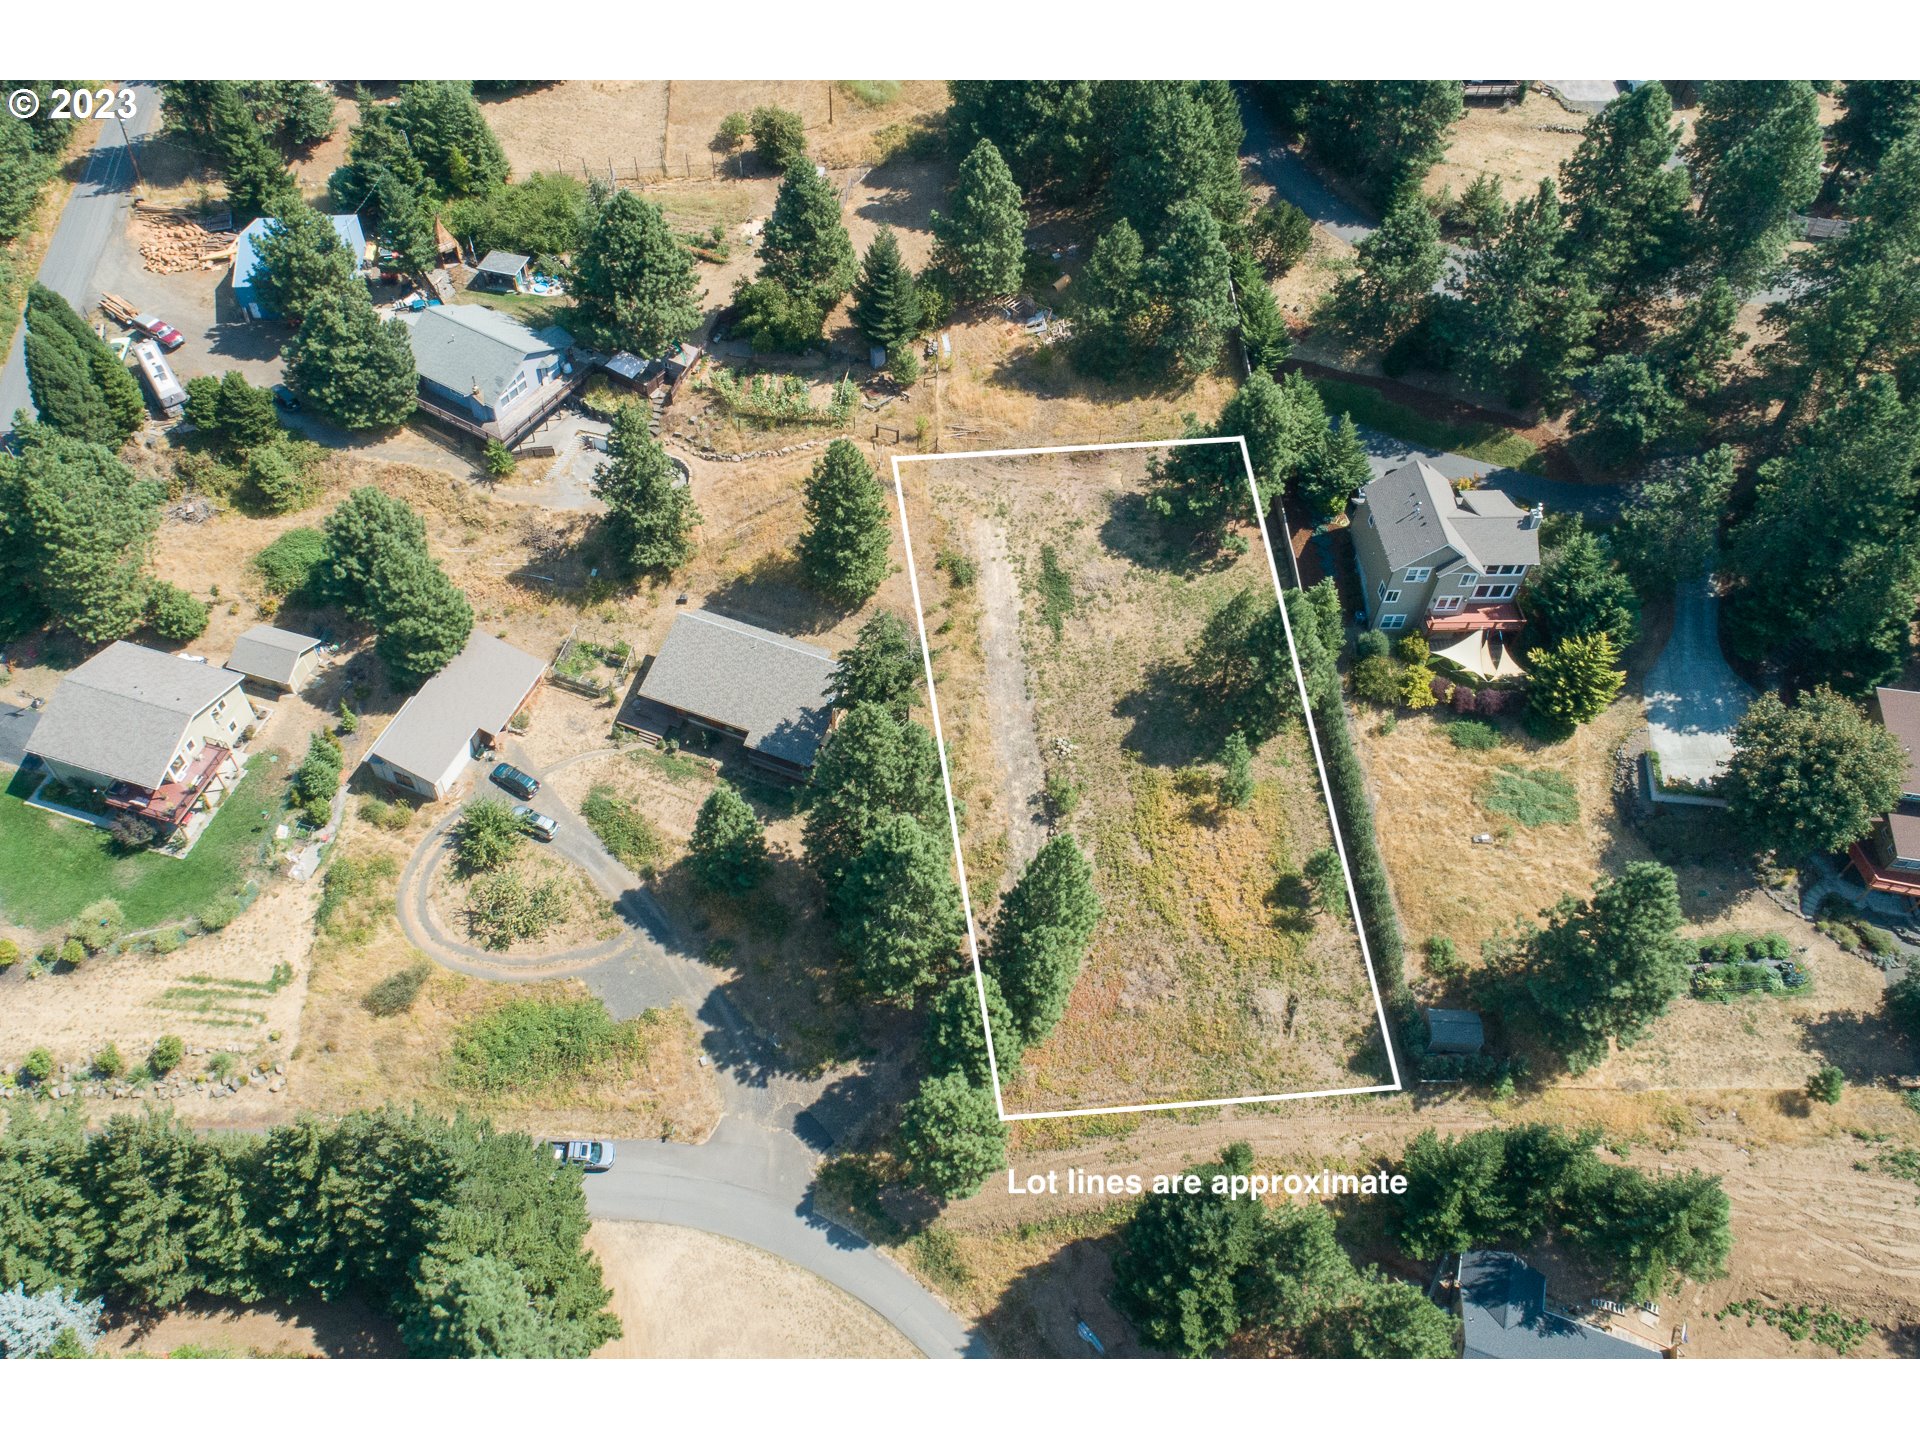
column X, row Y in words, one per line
column 486, row 373
column 1429, row 557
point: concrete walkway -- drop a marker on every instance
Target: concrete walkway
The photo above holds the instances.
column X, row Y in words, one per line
column 753, row 1180
column 1693, row 697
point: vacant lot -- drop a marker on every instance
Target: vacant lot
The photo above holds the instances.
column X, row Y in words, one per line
column 1211, row 973
column 1519, row 144
column 684, row 1294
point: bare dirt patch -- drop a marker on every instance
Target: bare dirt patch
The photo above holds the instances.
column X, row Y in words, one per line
column 1208, row 976
column 1522, row 144
column 313, row 1329
column 685, row 1294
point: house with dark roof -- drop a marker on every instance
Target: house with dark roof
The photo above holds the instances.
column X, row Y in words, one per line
column 246, row 259
column 737, row 682
column 487, row 374
column 150, row 734
column 1502, row 1304
column 1888, row 859
column 1451, row 562
column 457, row 715
column 278, row 660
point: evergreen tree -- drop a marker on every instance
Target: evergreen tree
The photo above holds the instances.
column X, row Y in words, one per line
column 1694, row 356
column 1263, row 333
column 1041, row 934
column 843, row 550
column 1335, row 470
column 355, row 368
column 366, row 525
column 1755, row 161
column 174, row 615
column 480, row 1307
column 1240, row 668
column 79, row 386
column 1827, row 564
column 728, row 849
column 1383, row 134
column 257, row 177
column 1626, row 203
column 886, row 299
column 1608, row 967
column 981, row 240
column 79, row 530
column 1627, row 409
column 955, row 1040
column 1879, row 114
column 1382, row 1319
column 1482, row 210
column 376, row 148
column 632, row 280
column 899, row 911
column 1190, row 279
column 24, row 172
column 1109, row 308
column 1176, row 143
column 1049, row 132
column 1574, row 682
column 301, row 262
column 1236, row 780
column 804, row 246
column 1669, row 525
column 870, row 766
column 951, row 1137
column 1397, row 266
column 1577, row 590
column 1523, row 315
column 1204, row 487
column 1811, row 777
column 449, row 136
column 882, row 665
column 423, row 618
column 650, row 514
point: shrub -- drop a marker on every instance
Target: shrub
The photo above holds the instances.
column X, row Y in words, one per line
column 498, row 460
column 1533, row 797
column 221, row 1065
column 960, row 569
column 528, row 1043
column 503, row 908
column 71, row 951
column 1327, row 881
column 174, row 614
column 1472, row 734
column 395, row 994
column 167, row 1053
column 287, row 565
column 1376, row 680
column 487, row 836
column 38, row 1066
column 353, row 896
column 277, row 475
column 108, row 1062
column 1062, row 794
column 1416, row 687
column 1903, row 1005
column 1280, row 235
column 220, row 913
column 1372, row 644
column 385, row 814
column 628, row 835
column 1827, row 1085
column 165, row 942
column 1414, row 649
column 1874, row 940
column 130, row 832
column 100, row 925
column 9, row 953
column 1443, row 959
column 349, row 722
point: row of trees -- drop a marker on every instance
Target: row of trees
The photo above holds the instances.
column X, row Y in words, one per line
column 378, row 570
column 29, row 156
column 472, row 1241
column 80, row 388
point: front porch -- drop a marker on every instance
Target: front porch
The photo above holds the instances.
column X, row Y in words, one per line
column 1884, row 878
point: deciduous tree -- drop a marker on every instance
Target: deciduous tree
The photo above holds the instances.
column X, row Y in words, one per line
column 1813, row 776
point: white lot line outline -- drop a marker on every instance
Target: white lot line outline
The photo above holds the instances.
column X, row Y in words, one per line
column 1313, row 736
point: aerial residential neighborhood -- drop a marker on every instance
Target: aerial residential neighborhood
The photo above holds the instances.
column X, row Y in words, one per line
column 983, row 719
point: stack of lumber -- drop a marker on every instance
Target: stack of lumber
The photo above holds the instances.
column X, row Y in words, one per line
column 172, row 242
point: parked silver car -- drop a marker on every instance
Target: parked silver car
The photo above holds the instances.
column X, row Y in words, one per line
column 593, row 1156
column 541, row 827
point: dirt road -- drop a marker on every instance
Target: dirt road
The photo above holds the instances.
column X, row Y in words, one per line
column 1016, row 747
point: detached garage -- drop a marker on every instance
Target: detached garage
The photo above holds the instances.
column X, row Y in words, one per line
column 275, row 659
column 455, row 716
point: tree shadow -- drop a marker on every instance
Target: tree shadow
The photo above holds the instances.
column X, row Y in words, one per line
column 1291, row 900
column 904, row 196
column 773, row 594
column 1042, row 1307
column 1166, row 729
column 1866, row 1046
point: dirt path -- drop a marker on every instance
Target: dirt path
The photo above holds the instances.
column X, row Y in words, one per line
column 1016, row 746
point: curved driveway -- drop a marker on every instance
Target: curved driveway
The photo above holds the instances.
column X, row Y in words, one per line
column 752, row 1181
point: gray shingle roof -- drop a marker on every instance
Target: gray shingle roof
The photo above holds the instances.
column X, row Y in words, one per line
column 480, row 689
column 772, row 687
column 471, row 350
column 123, row 713
column 1417, row 514
column 1503, row 1307
column 1455, row 1032
column 502, row 262
column 267, row 652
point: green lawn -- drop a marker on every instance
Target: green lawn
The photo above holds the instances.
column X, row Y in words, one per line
column 1494, row 444
column 52, row 868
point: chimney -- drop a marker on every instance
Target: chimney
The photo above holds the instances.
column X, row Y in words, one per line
column 1533, row 518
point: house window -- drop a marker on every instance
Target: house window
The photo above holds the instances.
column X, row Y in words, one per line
column 1390, row 597
column 1506, row 569
column 1495, row 592
column 1418, row 573
column 1446, row 604
column 1468, row 579
column 1393, row 622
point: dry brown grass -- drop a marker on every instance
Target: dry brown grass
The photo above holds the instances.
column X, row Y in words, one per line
column 1201, row 982
column 1510, row 142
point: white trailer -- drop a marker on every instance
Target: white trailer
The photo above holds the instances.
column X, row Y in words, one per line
column 161, row 382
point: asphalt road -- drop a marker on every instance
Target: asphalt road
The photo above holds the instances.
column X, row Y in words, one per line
column 753, row 1180
column 92, row 217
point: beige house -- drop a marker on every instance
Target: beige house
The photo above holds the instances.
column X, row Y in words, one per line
column 455, row 716
column 275, row 659
column 1451, row 563
column 153, row 734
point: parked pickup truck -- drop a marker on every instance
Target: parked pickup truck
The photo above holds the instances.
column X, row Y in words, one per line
column 593, row 1156
column 160, row 332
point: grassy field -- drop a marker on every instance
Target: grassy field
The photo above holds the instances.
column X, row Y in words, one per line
column 1210, row 975
column 53, row 868
column 1495, row 444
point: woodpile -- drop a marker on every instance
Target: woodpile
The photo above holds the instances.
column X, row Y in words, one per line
column 173, row 242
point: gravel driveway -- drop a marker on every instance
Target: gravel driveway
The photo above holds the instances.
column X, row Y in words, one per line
column 1693, row 697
